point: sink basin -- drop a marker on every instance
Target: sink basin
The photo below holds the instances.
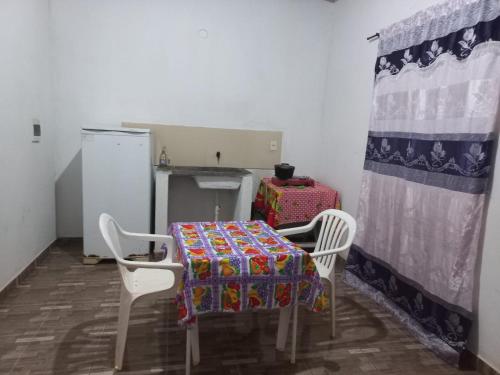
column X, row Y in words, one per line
column 218, row 182
column 211, row 177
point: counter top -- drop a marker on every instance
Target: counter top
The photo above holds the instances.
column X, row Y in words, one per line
column 204, row 171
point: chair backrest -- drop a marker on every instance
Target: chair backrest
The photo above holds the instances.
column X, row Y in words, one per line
column 111, row 231
column 337, row 231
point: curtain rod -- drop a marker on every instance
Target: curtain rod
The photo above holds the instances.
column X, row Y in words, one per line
column 373, row 37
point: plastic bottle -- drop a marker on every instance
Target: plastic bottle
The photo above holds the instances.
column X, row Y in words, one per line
column 163, row 156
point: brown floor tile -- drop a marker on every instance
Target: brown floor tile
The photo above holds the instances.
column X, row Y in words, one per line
column 62, row 320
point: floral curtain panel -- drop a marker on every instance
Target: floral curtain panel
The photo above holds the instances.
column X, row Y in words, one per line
column 427, row 169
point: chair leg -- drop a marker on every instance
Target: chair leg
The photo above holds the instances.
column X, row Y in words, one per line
column 332, row 308
column 195, row 343
column 126, row 301
column 283, row 324
column 294, row 332
column 188, row 350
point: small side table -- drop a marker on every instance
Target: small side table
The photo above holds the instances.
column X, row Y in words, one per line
column 282, row 205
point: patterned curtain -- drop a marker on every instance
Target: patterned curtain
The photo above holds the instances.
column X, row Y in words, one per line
column 427, row 168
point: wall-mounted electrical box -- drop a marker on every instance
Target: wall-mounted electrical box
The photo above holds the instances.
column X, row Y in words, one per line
column 37, row 131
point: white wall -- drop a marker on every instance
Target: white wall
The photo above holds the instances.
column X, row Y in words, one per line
column 262, row 67
column 27, row 209
column 344, row 132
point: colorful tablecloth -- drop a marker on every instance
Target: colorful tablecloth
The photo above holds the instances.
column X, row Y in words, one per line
column 294, row 204
column 242, row 265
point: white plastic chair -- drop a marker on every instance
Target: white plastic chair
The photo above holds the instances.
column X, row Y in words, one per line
column 141, row 278
column 336, row 226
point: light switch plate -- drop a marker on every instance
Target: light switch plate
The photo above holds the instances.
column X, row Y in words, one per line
column 273, row 145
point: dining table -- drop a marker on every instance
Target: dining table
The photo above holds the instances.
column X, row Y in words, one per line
column 236, row 266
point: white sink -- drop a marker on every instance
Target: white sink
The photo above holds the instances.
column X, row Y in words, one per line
column 237, row 182
column 218, row 182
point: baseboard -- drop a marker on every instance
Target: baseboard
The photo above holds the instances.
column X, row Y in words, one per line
column 16, row 280
column 470, row 361
column 485, row 368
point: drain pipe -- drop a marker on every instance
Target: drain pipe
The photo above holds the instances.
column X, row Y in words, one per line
column 217, row 207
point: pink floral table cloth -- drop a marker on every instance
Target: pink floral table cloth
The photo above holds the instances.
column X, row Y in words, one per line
column 242, row 265
column 294, row 204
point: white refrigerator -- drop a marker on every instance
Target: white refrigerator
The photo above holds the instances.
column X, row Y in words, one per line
column 117, row 179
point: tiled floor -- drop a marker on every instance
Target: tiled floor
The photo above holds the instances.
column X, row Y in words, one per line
column 62, row 320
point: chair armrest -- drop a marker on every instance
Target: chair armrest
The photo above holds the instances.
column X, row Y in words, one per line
column 169, row 240
column 155, row 265
column 325, row 253
column 289, row 231
column 149, row 237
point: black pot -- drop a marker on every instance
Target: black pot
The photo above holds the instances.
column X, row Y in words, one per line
column 284, row 171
